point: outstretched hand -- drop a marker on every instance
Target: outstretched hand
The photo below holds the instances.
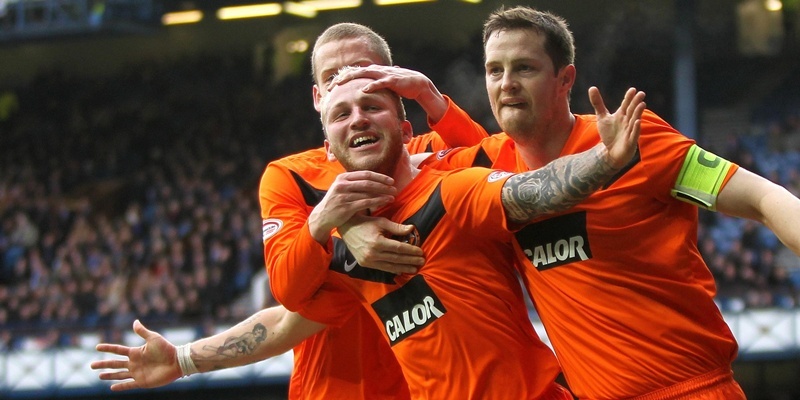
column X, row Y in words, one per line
column 620, row 130
column 150, row 365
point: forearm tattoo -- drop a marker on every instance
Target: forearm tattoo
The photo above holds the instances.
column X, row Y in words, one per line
column 557, row 186
column 234, row 346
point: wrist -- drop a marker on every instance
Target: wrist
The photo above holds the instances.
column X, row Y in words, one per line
column 608, row 163
column 318, row 231
column 434, row 104
column 185, row 362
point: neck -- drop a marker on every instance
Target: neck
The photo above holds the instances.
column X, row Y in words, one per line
column 405, row 172
column 545, row 143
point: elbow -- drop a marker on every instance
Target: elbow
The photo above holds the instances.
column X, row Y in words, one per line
column 292, row 300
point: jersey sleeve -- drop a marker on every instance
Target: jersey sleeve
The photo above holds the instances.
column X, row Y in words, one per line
column 296, row 263
column 456, row 127
column 473, row 197
column 333, row 304
column 662, row 150
column 450, row 159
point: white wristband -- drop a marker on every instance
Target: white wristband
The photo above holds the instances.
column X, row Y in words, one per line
column 185, row 360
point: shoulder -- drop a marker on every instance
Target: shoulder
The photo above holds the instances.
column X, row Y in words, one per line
column 496, row 139
column 312, row 157
column 474, row 175
column 311, row 162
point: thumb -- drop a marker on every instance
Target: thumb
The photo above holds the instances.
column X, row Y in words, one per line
column 395, row 229
column 143, row 332
column 597, row 102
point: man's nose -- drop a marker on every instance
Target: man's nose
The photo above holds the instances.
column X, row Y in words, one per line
column 508, row 83
column 359, row 120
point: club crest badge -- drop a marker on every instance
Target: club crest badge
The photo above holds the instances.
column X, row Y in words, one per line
column 269, row 227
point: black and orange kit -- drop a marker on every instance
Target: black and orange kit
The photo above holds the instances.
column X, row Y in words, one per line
column 350, row 361
column 459, row 327
column 620, row 286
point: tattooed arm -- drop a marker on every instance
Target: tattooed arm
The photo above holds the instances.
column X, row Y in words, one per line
column 265, row 334
column 555, row 187
column 567, row 181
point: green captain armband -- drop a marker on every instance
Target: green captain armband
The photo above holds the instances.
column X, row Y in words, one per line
column 701, row 178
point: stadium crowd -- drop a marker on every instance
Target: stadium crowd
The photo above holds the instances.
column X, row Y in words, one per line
column 134, row 196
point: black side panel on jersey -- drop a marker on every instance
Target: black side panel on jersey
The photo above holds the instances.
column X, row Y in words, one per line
column 482, row 159
column 637, row 158
column 424, row 220
column 427, row 217
column 311, row 195
column 344, row 263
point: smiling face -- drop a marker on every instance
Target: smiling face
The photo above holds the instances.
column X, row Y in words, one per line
column 364, row 131
column 525, row 92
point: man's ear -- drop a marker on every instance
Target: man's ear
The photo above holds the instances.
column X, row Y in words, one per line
column 331, row 157
column 408, row 131
column 317, row 96
column 567, row 77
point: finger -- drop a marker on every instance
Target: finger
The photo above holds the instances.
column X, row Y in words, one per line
column 634, row 126
column 639, row 110
column 410, row 253
column 597, row 102
column 627, row 99
column 394, row 229
column 379, row 84
column 367, row 176
column 115, row 376
column 143, row 332
column 113, row 348
column 341, row 79
column 365, row 187
column 633, row 137
column 394, row 251
column 355, row 205
column 406, row 253
column 345, row 193
column 636, row 99
column 637, row 123
column 109, row 364
column 118, row 387
column 363, row 72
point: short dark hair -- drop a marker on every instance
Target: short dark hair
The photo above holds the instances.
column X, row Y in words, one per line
column 559, row 42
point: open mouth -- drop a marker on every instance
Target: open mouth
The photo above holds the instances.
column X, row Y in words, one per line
column 512, row 103
column 363, row 141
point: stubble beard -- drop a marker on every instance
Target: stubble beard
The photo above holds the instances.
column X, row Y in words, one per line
column 518, row 124
column 383, row 163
